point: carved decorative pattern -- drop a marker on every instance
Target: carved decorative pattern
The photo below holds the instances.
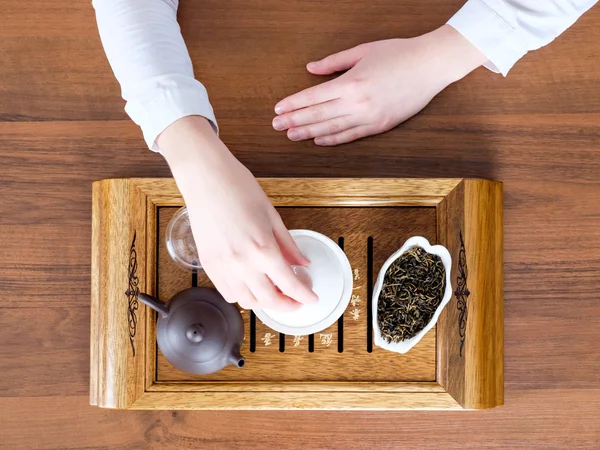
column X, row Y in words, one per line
column 462, row 293
column 132, row 293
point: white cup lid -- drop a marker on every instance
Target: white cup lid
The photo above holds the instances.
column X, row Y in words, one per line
column 330, row 275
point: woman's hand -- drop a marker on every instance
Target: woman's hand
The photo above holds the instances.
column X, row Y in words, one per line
column 243, row 245
column 388, row 82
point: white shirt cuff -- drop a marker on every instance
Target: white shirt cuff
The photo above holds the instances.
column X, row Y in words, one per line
column 491, row 34
column 169, row 99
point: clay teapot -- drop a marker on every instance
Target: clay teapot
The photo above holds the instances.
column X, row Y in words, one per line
column 198, row 331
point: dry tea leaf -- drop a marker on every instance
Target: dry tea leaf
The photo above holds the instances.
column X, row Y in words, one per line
column 413, row 288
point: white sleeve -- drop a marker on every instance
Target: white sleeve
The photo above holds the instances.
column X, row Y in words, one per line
column 505, row 30
column 146, row 51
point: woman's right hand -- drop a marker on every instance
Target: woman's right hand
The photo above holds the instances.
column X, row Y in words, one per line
column 243, row 245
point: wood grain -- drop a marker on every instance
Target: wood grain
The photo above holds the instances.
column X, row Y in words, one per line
column 42, row 46
column 300, row 192
column 536, row 130
column 455, row 146
column 484, row 333
column 471, row 357
column 309, row 387
column 452, row 365
column 470, row 216
column 45, row 264
column 43, row 336
column 566, row 419
column 390, row 227
column 125, row 207
column 117, row 343
column 296, row 400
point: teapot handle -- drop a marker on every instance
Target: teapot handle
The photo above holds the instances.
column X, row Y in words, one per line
column 154, row 303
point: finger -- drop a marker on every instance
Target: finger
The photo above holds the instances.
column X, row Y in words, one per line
column 280, row 272
column 249, row 305
column 287, row 245
column 345, row 136
column 327, row 128
column 225, row 290
column 222, row 287
column 320, row 93
column 270, row 297
column 240, row 293
column 312, row 114
column 338, row 61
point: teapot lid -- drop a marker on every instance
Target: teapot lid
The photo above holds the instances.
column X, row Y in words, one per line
column 201, row 332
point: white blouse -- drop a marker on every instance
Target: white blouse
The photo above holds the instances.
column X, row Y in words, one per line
column 146, row 51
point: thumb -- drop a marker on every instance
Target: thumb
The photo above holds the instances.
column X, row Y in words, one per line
column 338, row 61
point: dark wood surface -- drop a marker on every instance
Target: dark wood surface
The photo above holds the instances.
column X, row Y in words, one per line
column 62, row 126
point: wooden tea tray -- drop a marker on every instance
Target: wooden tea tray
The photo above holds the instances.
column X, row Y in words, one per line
column 457, row 365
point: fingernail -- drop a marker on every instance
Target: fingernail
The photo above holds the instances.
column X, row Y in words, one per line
column 293, row 135
column 278, row 124
column 319, row 141
column 279, row 109
column 312, row 65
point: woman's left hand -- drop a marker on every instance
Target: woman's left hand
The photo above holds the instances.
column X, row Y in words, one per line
column 387, row 83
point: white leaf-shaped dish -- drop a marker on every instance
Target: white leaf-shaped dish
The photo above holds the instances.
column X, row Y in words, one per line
column 442, row 252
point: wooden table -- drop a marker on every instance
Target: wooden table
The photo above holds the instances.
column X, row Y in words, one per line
column 62, row 126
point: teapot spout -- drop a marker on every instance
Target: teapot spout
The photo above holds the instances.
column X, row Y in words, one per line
column 236, row 359
column 154, row 303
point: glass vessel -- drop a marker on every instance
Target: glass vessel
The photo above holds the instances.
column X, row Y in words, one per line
column 180, row 241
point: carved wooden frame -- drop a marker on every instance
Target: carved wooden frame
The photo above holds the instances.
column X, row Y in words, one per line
column 470, row 348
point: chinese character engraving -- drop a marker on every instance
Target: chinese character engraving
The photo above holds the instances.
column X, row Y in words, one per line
column 355, row 313
column 267, row 338
column 326, row 339
column 297, row 340
column 356, row 275
column 355, row 300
